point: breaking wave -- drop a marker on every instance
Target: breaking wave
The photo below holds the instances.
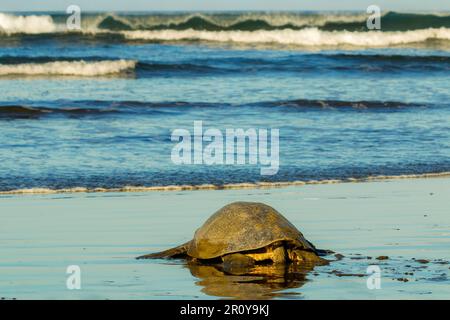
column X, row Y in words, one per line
column 304, row 29
column 305, row 37
column 250, row 21
column 225, row 21
column 33, row 24
column 68, row 68
column 391, row 21
column 342, row 62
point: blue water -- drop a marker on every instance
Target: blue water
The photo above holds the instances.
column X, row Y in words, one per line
column 344, row 111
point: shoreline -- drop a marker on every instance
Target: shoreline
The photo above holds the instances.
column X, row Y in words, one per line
column 231, row 186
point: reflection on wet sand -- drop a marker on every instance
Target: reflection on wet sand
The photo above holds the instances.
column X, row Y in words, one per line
column 258, row 282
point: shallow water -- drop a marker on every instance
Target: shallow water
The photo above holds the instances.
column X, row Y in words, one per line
column 102, row 233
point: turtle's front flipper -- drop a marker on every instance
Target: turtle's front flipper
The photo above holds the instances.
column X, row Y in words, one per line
column 176, row 252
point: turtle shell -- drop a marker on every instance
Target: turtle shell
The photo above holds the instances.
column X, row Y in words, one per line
column 243, row 226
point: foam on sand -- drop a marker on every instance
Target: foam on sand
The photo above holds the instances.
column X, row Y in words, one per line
column 68, row 68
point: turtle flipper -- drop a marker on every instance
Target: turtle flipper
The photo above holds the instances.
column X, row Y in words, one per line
column 176, row 252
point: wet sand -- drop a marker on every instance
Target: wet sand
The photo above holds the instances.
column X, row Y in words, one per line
column 405, row 222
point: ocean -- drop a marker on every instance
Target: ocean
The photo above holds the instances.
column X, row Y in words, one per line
column 94, row 109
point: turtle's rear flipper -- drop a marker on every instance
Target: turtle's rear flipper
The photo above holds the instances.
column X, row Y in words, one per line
column 177, row 252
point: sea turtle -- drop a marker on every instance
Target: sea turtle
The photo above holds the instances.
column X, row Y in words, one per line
column 244, row 234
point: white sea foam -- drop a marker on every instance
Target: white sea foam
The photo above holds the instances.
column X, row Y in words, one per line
column 26, row 24
column 68, row 68
column 245, row 185
column 304, row 37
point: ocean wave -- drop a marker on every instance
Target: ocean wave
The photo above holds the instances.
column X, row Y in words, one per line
column 12, row 59
column 68, row 68
column 342, row 62
column 230, row 186
column 90, row 107
column 103, row 108
column 215, row 22
column 149, row 66
column 310, row 37
column 33, row 24
column 310, row 30
column 390, row 57
column 49, row 23
column 341, row 104
column 391, row 21
column 30, row 112
column 225, row 21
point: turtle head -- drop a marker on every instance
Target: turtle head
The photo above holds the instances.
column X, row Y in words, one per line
column 304, row 256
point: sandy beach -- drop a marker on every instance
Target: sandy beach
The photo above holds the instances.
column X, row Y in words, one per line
column 405, row 220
